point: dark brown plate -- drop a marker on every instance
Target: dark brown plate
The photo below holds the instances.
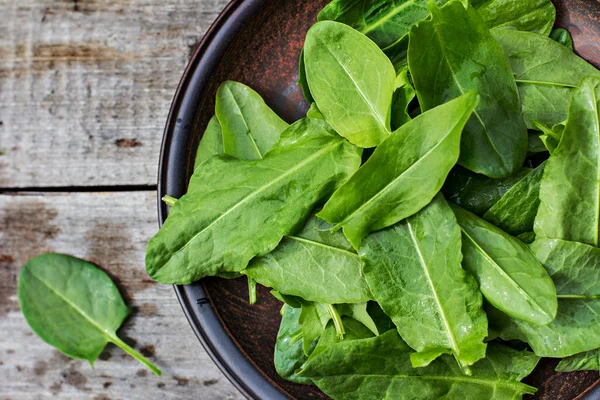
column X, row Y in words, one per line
column 258, row 42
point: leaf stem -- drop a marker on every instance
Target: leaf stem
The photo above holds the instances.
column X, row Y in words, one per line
column 251, row 290
column 170, row 201
column 337, row 321
column 116, row 340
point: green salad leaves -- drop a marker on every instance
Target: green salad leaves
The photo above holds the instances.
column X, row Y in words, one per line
column 441, row 194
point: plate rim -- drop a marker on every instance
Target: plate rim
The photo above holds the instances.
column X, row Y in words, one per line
column 195, row 303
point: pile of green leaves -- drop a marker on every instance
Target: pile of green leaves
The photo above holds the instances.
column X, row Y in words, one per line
column 475, row 215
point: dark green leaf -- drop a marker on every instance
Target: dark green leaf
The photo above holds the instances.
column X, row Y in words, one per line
column 570, row 191
column 351, row 80
column 289, row 348
column 387, row 22
column 249, row 127
column 516, row 210
column 575, row 269
column 478, row 193
column 527, row 237
column 444, row 65
column 546, row 73
column 414, row 271
column 316, row 265
column 380, row 368
column 403, row 174
column 211, row 143
column 302, row 79
column 381, row 320
column 402, row 97
column 238, row 209
column 563, row 37
column 509, row 275
column 535, row 143
column 73, row 306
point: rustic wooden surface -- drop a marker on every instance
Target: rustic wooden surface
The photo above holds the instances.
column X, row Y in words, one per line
column 85, row 87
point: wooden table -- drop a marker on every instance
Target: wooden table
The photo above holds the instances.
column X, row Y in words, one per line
column 85, row 87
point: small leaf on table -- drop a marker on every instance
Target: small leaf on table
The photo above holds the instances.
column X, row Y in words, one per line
column 73, row 306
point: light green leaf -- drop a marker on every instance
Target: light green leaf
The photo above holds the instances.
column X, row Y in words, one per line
column 249, row 127
column 403, row 174
column 211, row 143
column 531, row 15
column 414, row 271
column 575, row 269
column 351, row 80
column 546, row 73
column 316, row 265
column 509, row 275
column 73, row 306
column 588, row 361
column 570, row 188
column 551, row 136
column 228, row 218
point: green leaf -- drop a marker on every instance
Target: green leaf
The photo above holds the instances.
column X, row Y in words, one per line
column 73, row 306
column 313, row 319
column 562, row 36
column 351, row 80
column 575, row 269
column 302, row 82
column 531, row 15
column 527, row 237
column 535, row 143
column 314, row 113
column 387, row 22
column 444, row 66
column 289, row 347
column 403, row 95
column 380, row 368
column 509, row 275
column 546, row 73
column 316, row 265
column 551, row 136
column 249, row 127
column 588, row 361
column 478, row 193
column 238, row 209
column 403, row 174
column 515, row 212
column 211, row 143
column 414, row 271
column 570, row 190
column 359, row 312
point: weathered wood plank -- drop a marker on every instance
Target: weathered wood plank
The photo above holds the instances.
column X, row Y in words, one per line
column 85, row 86
column 110, row 229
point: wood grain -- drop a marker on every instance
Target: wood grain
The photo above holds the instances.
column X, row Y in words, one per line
column 111, row 230
column 86, row 85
